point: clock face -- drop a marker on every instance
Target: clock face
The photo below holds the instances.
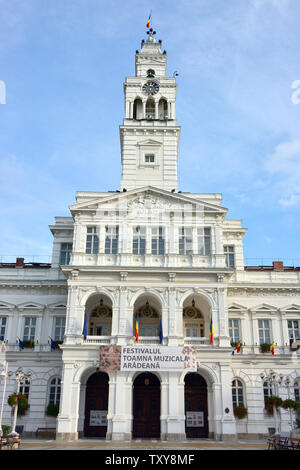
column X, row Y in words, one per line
column 150, row 88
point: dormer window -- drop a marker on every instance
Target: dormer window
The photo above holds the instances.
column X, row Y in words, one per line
column 150, row 73
column 149, row 158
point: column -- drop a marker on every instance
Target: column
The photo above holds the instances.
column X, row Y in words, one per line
column 65, row 421
column 120, row 408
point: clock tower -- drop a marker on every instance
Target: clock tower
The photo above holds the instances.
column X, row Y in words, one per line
column 149, row 135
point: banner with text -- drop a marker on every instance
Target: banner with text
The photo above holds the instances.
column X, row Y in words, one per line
column 147, row 358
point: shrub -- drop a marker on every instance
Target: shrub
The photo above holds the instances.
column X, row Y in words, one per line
column 52, row 410
column 240, row 411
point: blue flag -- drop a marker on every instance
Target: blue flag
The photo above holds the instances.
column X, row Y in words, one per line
column 53, row 346
column 21, row 345
column 160, row 331
column 84, row 330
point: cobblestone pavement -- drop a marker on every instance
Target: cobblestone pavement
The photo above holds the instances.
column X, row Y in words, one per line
column 136, row 445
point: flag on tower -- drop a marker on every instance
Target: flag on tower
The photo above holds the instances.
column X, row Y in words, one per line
column 148, row 22
column 137, row 328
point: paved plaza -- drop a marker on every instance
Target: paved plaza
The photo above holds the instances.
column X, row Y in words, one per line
column 139, row 445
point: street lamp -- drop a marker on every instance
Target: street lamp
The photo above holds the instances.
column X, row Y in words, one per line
column 274, row 380
column 287, row 383
column 20, row 377
column 4, row 375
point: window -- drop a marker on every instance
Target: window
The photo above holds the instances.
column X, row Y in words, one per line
column 65, row 251
column 150, row 73
column 92, row 241
column 59, row 332
column 234, row 331
column 268, row 391
column 111, row 240
column 158, row 241
column 139, row 241
column 237, row 393
column 29, row 328
column 149, row 320
column 150, row 109
column 100, row 321
column 204, row 241
column 193, row 322
column 3, row 321
column 264, row 331
column 185, row 241
column 25, row 388
column 149, row 330
column 54, row 391
column 149, row 158
column 229, row 256
column 293, row 327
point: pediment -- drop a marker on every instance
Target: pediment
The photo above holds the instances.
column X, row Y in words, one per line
column 149, row 142
column 147, row 198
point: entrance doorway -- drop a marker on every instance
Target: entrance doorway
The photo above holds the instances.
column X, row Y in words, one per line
column 195, row 394
column 96, row 405
column 146, row 406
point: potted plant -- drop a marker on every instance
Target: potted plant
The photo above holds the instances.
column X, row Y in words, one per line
column 52, row 409
column 240, row 412
column 272, row 401
column 28, row 343
column 20, row 400
column 265, row 347
column 290, row 404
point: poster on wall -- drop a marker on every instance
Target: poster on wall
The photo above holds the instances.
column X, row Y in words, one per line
column 98, row 418
column 147, row 358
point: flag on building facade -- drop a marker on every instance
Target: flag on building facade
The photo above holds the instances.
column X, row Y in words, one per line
column 3, row 347
column 52, row 344
column 84, row 330
column 160, row 331
column 21, row 345
column 238, row 347
column 272, row 348
column 137, row 328
column 211, row 332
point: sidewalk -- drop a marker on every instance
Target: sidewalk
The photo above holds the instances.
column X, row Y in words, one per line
column 151, row 444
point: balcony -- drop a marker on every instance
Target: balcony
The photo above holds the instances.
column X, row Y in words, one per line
column 148, row 260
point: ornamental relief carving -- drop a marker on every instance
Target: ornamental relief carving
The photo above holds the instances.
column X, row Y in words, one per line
column 263, row 293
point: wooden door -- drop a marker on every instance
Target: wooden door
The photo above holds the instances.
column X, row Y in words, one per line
column 96, row 405
column 195, row 391
column 146, row 406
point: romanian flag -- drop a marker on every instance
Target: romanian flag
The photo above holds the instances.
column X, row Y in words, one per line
column 272, row 348
column 148, row 22
column 238, row 347
column 211, row 332
column 137, row 328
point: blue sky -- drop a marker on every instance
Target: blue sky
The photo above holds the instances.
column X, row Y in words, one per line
column 64, row 63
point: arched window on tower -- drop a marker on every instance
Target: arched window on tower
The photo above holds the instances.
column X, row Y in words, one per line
column 100, row 320
column 193, row 322
column 137, row 109
column 163, row 109
column 149, row 320
column 150, row 109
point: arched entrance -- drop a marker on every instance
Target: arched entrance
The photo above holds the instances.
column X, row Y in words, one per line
column 96, row 405
column 195, row 395
column 146, row 406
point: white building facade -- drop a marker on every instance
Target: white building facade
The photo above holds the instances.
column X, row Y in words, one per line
column 171, row 262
